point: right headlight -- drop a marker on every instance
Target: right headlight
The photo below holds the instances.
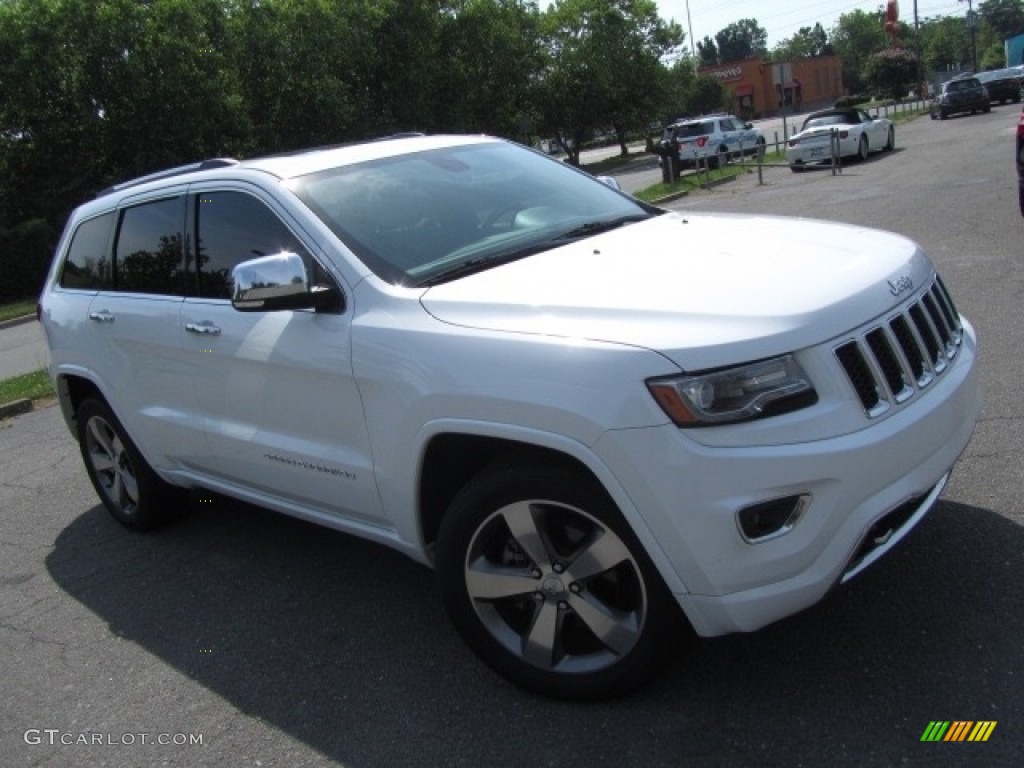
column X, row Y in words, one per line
column 731, row 395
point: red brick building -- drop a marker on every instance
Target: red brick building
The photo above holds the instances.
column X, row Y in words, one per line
column 762, row 88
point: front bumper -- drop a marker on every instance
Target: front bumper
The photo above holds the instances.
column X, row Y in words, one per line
column 687, row 495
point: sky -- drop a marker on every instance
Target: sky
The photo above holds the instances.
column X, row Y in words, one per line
column 784, row 18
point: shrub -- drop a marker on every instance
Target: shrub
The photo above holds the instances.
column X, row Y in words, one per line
column 25, row 252
column 892, row 72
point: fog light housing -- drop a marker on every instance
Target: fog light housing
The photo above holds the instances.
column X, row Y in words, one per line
column 770, row 519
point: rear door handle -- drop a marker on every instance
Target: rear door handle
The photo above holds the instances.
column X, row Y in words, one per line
column 204, row 327
column 103, row 316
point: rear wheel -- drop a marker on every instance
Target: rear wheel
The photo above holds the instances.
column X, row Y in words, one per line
column 128, row 487
column 548, row 585
column 890, row 140
column 862, row 148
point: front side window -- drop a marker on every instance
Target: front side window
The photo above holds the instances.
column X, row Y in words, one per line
column 88, row 264
column 148, row 257
column 234, row 227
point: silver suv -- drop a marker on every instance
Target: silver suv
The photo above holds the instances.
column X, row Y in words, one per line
column 712, row 138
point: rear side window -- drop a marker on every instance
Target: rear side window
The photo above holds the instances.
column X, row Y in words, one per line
column 235, row 227
column 149, row 257
column 87, row 264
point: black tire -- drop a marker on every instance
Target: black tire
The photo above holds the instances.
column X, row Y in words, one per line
column 987, row 108
column 128, row 487
column 862, row 148
column 721, row 157
column 942, row 114
column 890, row 141
column 796, row 168
column 545, row 581
column 759, row 152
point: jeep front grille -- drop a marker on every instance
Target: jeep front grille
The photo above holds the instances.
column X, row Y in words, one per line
column 889, row 363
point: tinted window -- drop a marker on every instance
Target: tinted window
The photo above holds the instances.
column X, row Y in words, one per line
column 234, row 227
column 87, row 264
column 690, row 130
column 149, row 256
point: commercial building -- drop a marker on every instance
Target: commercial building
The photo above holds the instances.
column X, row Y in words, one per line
column 762, row 88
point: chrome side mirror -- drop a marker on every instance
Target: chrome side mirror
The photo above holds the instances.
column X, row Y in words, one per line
column 608, row 181
column 271, row 283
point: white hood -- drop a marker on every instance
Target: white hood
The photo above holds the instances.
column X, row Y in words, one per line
column 703, row 289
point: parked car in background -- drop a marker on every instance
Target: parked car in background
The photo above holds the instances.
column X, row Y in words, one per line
column 1020, row 161
column 586, row 413
column 857, row 132
column 1003, row 85
column 961, row 94
column 712, row 138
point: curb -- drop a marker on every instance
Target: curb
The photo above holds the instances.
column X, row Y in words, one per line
column 17, row 321
column 685, row 192
column 15, row 407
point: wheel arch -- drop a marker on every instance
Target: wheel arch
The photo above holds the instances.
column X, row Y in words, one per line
column 451, row 458
column 73, row 387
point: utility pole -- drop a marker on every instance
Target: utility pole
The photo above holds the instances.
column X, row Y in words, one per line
column 693, row 43
column 972, row 24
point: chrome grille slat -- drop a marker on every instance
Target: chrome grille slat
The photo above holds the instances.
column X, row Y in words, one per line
column 888, row 363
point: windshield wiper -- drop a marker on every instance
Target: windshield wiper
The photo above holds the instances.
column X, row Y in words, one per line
column 603, row 225
column 480, row 264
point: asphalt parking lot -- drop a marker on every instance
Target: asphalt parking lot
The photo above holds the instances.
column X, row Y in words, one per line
column 275, row 643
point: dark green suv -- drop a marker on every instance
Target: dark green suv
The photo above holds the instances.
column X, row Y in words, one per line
column 962, row 94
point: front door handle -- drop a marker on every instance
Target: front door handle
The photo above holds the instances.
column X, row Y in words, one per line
column 103, row 316
column 204, row 327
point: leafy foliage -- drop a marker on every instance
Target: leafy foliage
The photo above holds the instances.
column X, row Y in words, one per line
column 892, row 72
column 856, row 37
column 741, row 40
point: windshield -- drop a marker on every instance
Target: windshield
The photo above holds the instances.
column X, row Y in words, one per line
column 424, row 215
column 823, row 120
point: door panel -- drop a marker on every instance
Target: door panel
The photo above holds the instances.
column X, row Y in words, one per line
column 282, row 410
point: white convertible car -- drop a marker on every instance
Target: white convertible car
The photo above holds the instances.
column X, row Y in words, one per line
column 859, row 134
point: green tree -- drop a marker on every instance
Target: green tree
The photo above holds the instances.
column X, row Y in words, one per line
column 707, row 52
column 1005, row 17
column 807, row 43
column 741, row 40
column 490, row 57
column 856, row 36
column 945, row 44
column 603, row 68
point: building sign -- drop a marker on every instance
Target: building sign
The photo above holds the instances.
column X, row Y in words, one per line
column 732, row 73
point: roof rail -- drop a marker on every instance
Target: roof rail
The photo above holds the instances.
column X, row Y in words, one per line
column 205, row 165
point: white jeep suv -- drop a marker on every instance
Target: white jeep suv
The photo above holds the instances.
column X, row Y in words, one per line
column 585, row 413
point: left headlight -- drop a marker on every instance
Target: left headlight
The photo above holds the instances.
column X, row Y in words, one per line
column 731, row 395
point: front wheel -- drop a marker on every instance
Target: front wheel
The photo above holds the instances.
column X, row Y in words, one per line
column 128, row 487
column 890, row 140
column 548, row 585
column 862, row 148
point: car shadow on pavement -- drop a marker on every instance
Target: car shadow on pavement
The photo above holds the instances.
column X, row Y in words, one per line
column 343, row 645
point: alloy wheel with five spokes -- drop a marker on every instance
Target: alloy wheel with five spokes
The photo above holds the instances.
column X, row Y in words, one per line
column 549, row 586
